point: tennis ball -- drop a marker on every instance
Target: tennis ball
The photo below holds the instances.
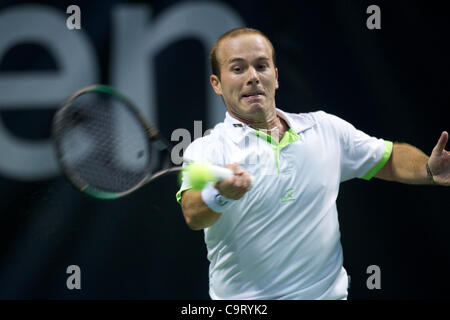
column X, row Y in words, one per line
column 199, row 174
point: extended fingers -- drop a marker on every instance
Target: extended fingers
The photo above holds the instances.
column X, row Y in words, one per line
column 442, row 142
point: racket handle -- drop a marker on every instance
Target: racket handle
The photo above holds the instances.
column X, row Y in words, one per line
column 220, row 173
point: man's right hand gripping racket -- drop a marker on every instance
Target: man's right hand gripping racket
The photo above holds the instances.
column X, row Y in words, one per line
column 105, row 146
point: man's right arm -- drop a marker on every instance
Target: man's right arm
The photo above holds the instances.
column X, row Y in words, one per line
column 196, row 212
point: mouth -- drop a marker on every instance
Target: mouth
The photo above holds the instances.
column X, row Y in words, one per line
column 252, row 95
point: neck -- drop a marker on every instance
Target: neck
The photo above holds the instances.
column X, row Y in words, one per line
column 269, row 122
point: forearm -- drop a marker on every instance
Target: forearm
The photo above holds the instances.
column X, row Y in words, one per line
column 406, row 165
column 196, row 213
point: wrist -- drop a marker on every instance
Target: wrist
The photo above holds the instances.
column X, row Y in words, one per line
column 214, row 200
column 429, row 173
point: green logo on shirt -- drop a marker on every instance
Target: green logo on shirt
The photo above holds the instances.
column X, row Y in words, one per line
column 288, row 196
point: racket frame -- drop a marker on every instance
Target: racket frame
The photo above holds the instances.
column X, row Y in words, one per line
column 155, row 139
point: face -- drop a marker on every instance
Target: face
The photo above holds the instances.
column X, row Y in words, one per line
column 248, row 77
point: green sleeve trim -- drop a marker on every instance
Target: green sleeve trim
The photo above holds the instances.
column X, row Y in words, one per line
column 180, row 192
column 386, row 155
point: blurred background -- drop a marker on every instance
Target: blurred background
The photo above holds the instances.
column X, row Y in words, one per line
column 392, row 83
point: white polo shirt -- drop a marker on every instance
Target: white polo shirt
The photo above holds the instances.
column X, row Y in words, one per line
column 282, row 240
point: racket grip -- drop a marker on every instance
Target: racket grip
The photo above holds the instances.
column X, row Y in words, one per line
column 220, row 173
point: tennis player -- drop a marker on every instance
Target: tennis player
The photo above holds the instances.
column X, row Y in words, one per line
column 276, row 235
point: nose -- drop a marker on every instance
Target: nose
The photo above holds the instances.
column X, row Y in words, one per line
column 253, row 77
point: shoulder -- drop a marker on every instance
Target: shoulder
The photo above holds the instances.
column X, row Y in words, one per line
column 327, row 120
column 205, row 142
column 210, row 140
column 320, row 118
column 324, row 125
column 324, row 117
column 208, row 147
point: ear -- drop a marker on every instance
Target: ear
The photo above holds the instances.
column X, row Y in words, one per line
column 276, row 78
column 215, row 84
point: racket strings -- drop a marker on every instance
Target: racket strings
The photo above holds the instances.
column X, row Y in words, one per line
column 103, row 143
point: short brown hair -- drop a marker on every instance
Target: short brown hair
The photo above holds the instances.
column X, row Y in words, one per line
column 215, row 66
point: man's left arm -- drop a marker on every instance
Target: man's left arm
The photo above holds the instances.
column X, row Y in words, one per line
column 407, row 164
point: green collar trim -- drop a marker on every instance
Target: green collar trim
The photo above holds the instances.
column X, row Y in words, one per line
column 288, row 137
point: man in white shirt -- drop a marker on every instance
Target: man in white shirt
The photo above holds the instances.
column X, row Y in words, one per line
column 271, row 229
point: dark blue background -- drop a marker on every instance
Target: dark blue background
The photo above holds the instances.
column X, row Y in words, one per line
column 392, row 83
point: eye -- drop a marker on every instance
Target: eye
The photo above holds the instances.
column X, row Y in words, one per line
column 262, row 66
column 237, row 69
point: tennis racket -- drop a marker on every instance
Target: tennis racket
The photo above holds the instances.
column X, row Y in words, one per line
column 105, row 146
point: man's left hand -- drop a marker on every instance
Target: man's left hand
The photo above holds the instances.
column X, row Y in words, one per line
column 439, row 161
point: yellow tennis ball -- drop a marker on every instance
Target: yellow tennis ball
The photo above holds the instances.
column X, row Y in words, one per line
column 199, row 174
